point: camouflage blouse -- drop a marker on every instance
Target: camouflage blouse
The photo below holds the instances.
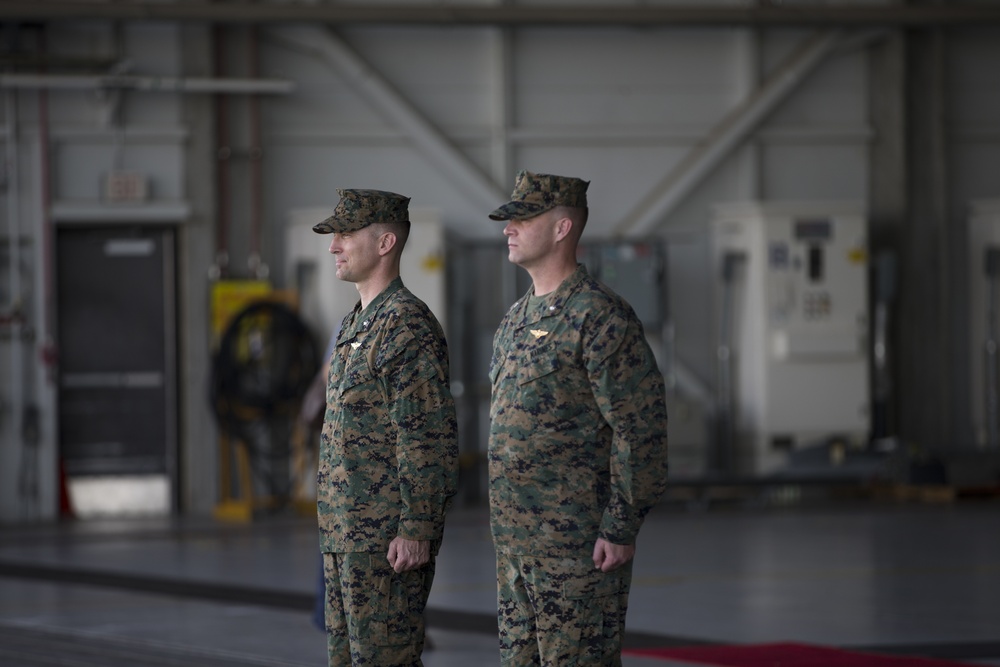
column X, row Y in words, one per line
column 578, row 440
column 388, row 451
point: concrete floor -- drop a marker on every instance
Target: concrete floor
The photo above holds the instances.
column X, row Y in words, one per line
column 906, row 579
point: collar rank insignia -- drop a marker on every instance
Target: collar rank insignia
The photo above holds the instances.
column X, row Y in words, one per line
column 355, row 344
column 538, row 333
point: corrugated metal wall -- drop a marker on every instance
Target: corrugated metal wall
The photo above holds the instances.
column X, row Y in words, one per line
column 663, row 119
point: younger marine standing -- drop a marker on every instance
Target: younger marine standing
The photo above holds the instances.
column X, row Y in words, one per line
column 388, row 466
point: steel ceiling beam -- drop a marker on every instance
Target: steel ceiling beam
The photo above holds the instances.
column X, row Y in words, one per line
column 726, row 136
column 383, row 96
column 827, row 16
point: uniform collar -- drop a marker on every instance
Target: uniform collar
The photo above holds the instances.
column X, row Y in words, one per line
column 364, row 318
column 552, row 303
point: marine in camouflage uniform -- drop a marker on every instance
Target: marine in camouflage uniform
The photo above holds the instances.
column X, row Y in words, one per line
column 577, row 447
column 388, row 451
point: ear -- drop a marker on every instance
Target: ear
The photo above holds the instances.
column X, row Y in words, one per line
column 563, row 227
column 386, row 242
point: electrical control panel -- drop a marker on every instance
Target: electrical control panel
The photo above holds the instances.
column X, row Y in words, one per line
column 793, row 323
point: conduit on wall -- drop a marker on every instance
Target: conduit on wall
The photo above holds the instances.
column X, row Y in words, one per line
column 218, row 85
column 223, row 153
column 146, row 84
column 14, row 310
column 257, row 268
column 49, row 350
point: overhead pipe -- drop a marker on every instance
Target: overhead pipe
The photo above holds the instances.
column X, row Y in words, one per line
column 257, row 268
column 45, row 254
column 16, row 305
column 23, row 406
column 223, row 153
column 772, row 15
column 991, row 348
column 48, row 251
column 150, row 84
column 502, row 94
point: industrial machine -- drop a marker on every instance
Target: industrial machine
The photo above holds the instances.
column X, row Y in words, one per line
column 792, row 323
column 265, row 359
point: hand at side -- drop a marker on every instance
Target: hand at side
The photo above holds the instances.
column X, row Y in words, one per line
column 407, row 555
column 608, row 556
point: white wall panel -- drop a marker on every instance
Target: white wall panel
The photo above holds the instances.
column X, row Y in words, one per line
column 443, row 72
column 974, row 166
column 973, row 91
column 809, row 172
column 153, row 48
column 82, row 167
column 974, row 115
column 84, row 109
column 322, row 103
column 835, row 94
column 692, row 278
column 157, row 109
column 620, row 176
column 321, row 169
column 621, row 107
column 82, row 39
column 614, row 76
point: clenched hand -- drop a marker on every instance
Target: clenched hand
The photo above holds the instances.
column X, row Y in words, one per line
column 407, row 555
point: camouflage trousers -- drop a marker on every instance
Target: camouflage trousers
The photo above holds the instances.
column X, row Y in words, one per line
column 374, row 616
column 558, row 612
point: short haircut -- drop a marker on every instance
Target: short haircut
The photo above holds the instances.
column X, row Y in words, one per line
column 400, row 229
column 578, row 214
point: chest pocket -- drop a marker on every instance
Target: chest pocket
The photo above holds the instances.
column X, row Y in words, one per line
column 537, row 365
column 496, row 366
column 356, row 372
column 550, row 383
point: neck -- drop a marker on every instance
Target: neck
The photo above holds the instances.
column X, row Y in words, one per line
column 374, row 284
column 547, row 278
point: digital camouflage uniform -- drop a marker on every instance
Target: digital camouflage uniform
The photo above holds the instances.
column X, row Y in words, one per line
column 577, row 451
column 388, row 467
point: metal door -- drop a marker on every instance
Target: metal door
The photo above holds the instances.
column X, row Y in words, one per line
column 117, row 342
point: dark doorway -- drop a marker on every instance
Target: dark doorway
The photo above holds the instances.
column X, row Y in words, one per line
column 117, row 352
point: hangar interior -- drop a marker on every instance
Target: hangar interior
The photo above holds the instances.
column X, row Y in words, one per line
column 799, row 199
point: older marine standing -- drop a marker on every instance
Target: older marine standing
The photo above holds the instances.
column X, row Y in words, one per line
column 388, row 452
column 578, row 444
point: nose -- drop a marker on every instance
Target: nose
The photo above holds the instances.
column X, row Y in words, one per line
column 334, row 248
column 508, row 229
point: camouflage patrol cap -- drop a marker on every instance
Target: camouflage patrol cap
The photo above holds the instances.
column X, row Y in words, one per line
column 359, row 208
column 537, row 193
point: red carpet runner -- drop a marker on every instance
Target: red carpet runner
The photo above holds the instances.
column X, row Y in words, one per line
column 785, row 655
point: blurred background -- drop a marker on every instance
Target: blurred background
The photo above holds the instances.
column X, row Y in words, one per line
column 798, row 198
